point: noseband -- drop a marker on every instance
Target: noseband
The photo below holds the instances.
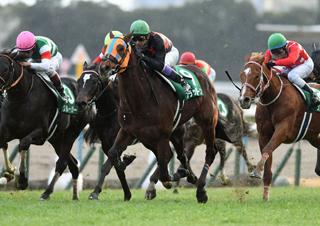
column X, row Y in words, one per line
column 262, row 89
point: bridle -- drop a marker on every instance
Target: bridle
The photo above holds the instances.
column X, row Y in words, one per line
column 6, row 85
column 260, row 85
column 98, row 93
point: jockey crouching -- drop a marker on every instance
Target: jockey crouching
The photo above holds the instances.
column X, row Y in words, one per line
column 294, row 60
column 44, row 57
column 157, row 51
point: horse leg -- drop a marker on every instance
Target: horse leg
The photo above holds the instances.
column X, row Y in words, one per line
column 151, row 192
column 105, row 170
column 242, row 151
column 9, row 169
column 74, row 170
column 317, row 169
column 22, row 180
column 221, row 148
column 211, row 151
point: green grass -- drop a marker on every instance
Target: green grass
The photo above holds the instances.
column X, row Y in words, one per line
column 226, row 206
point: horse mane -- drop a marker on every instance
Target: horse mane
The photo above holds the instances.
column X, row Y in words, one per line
column 255, row 56
column 15, row 55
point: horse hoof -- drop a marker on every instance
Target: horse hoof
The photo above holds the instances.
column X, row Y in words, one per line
column 44, row 197
column 203, row 197
column 76, row 198
column 8, row 176
column 192, row 179
column 127, row 197
column 167, row 184
column 255, row 174
column 150, row 194
column 23, row 186
column 175, row 191
column 93, row 196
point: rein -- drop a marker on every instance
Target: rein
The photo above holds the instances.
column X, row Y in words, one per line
column 262, row 89
column 11, row 74
column 95, row 97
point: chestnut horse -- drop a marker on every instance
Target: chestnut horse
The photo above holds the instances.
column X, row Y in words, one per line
column 279, row 115
column 147, row 110
column 29, row 113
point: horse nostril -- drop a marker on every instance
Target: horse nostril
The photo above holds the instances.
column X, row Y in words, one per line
column 246, row 99
column 81, row 104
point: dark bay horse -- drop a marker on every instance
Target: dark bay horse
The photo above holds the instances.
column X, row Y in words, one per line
column 194, row 137
column 147, row 109
column 105, row 126
column 29, row 113
column 280, row 112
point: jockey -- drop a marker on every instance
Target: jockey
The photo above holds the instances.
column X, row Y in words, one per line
column 157, row 51
column 44, row 57
column 106, row 40
column 294, row 60
column 189, row 58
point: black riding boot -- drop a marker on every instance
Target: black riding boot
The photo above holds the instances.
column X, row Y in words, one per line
column 60, row 89
column 314, row 99
column 177, row 78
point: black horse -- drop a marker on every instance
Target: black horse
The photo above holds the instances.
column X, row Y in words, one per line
column 29, row 113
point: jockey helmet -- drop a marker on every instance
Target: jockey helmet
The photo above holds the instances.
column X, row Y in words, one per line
column 115, row 33
column 276, row 41
column 25, row 41
column 187, row 58
column 140, row 27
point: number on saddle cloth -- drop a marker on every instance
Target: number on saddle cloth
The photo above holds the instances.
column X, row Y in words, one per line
column 192, row 80
column 64, row 107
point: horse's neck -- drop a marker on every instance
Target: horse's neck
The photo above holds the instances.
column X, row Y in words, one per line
column 19, row 89
column 274, row 88
column 108, row 101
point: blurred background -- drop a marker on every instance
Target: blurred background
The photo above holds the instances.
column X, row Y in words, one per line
column 220, row 32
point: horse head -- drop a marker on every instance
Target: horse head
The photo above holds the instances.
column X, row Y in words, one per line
column 90, row 86
column 117, row 53
column 8, row 67
column 252, row 79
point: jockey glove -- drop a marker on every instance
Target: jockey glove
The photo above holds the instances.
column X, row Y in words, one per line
column 141, row 56
column 270, row 64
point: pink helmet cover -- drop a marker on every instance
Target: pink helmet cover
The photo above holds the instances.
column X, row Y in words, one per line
column 25, row 41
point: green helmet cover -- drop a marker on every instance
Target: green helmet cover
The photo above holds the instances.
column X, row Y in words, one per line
column 140, row 27
column 107, row 38
column 276, row 41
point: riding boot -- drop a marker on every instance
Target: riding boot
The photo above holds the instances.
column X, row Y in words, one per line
column 174, row 76
column 315, row 102
column 60, row 89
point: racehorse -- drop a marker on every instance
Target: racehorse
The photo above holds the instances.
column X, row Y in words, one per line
column 148, row 107
column 193, row 136
column 29, row 113
column 105, row 126
column 280, row 112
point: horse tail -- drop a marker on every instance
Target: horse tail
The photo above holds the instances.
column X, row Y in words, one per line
column 91, row 136
column 248, row 129
column 226, row 131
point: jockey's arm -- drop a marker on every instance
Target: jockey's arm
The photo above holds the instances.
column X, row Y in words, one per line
column 43, row 66
column 291, row 59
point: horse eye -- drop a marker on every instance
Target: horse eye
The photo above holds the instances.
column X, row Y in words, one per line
column 257, row 77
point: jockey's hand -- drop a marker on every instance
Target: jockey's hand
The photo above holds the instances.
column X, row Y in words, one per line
column 141, row 56
column 25, row 63
column 270, row 64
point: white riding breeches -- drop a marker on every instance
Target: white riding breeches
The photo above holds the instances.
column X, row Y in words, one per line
column 297, row 74
column 172, row 57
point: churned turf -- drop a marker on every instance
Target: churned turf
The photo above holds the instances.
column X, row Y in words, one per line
column 226, row 206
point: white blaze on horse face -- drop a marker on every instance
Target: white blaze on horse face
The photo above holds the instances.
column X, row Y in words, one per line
column 85, row 78
column 244, row 88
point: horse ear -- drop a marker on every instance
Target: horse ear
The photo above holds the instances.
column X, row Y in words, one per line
column 85, row 65
column 247, row 58
column 111, row 34
column 128, row 37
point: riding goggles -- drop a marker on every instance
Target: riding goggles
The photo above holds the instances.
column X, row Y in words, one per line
column 139, row 38
column 277, row 51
